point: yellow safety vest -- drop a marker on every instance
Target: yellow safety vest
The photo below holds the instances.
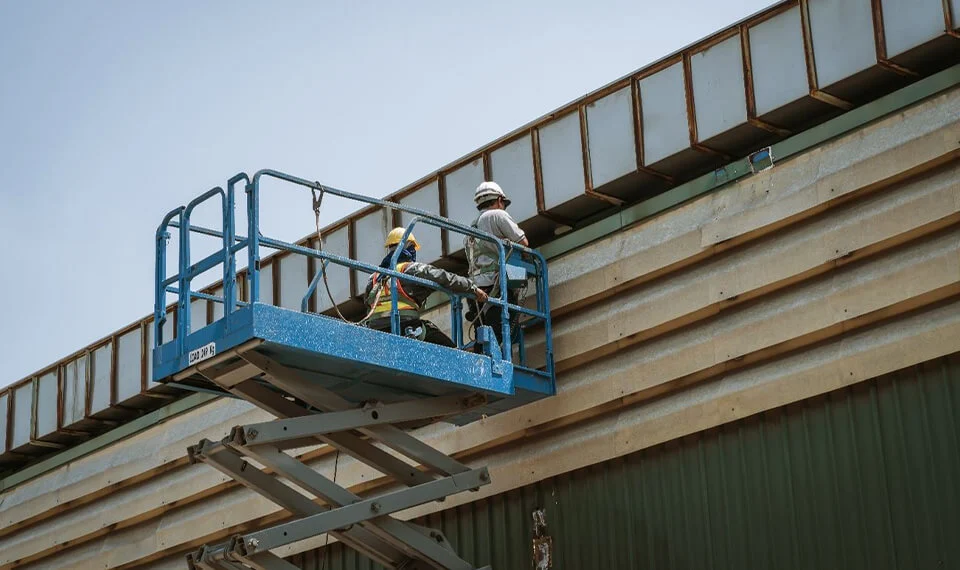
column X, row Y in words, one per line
column 404, row 301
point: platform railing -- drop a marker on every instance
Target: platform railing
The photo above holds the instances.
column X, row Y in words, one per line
column 232, row 244
column 540, row 315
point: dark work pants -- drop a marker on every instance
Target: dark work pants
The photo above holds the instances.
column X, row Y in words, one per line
column 492, row 315
column 432, row 332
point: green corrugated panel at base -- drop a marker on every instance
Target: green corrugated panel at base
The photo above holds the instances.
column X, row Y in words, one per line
column 865, row 477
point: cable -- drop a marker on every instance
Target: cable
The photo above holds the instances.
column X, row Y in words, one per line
column 317, row 201
column 326, row 541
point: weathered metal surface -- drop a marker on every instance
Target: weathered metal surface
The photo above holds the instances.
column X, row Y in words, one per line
column 130, row 364
column 148, row 354
column 371, row 232
column 426, row 198
column 338, row 276
column 216, row 311
column 22, row 428
column 294, row 281
column 664, row 107
column 779, row 63
column 4, row 409
column 198, row 314
column 610, row 132
column 100, row 378
column 562, row 169
column 46, row 421
column 910, row 23
column 266, row 286
column 842, row 33
column 461, row 184
column 512, row 167
column 864, row 477
column 75, row 390
column 718, row 88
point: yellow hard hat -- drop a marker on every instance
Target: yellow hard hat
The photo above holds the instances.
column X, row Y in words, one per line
column 393, row 238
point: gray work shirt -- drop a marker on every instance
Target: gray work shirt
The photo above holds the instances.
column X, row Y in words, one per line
column 482, row 254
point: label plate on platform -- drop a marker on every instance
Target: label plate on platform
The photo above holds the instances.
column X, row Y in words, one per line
column 204, row 352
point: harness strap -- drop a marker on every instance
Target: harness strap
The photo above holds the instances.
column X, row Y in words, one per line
column 379, row 280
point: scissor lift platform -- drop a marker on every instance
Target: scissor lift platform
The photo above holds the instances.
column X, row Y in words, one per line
column 332, row 382
column 356, row 363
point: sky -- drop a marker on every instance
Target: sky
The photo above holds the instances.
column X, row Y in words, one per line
column 114, row 113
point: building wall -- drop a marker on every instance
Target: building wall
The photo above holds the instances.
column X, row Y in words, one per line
column 861, row 477
column 834, row 267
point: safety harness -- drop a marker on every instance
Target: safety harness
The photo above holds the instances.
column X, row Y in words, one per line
column 404, row 303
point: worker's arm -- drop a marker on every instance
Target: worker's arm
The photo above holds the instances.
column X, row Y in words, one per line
column 508, row 229
column 451, row 281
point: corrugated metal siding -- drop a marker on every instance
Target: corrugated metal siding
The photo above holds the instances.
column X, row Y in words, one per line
column 864, row 477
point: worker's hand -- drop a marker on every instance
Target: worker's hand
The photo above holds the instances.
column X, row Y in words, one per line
column 481, row 294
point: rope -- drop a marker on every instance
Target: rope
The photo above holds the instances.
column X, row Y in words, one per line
column 317, row 201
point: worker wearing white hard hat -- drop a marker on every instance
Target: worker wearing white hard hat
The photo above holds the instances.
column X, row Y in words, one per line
column 411, row 296
column 483, row 256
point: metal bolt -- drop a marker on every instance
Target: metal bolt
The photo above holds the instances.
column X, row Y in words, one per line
column 374, row 507
column 253, row 543
column 252, row 434
column 484, row 476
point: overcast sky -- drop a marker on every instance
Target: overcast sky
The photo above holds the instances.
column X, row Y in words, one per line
column 113, row 113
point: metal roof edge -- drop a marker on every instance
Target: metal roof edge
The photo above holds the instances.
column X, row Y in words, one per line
column 734, row 171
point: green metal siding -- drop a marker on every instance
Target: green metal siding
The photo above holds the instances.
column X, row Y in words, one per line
column 865, row 477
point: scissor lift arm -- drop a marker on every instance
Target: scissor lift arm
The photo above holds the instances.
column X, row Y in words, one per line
column 364, row 524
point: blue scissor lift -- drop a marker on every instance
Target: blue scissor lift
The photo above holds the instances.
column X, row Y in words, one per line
column 335, row 382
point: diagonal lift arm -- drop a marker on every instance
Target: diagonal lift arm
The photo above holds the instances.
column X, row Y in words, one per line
column 291, row 382
column 365, row 524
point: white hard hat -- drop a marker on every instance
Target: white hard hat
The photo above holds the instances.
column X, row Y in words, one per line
column 488, row 191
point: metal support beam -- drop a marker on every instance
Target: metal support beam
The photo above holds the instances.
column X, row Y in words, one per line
column 331, row 422
column 391, row 530
column 211, row 558
column 290, row 381
column 232, row 375
column 363, row 450
column 231, row 463
column 284, row 534
column 265, row 561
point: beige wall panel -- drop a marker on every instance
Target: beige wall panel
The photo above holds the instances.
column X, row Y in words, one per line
column 888, row 164
column 129, row 458
column 813, row 246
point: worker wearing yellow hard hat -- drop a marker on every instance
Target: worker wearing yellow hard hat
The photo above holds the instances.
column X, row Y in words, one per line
column 396, row 234
column 411, row 296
